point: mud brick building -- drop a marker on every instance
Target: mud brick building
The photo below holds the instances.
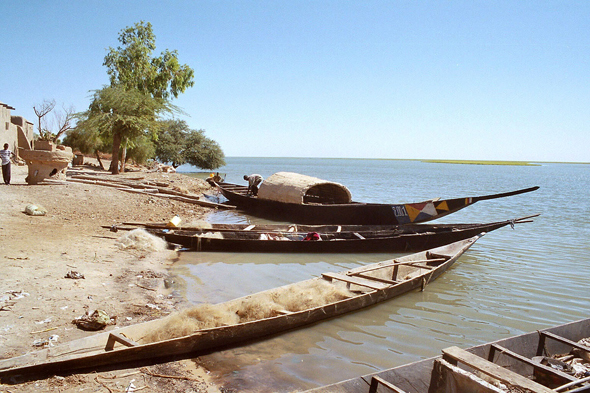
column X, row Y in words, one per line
column 15, row 130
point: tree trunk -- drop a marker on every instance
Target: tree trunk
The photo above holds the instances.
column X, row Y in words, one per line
column 123, row 156
column 116, row 147
column 99, row 160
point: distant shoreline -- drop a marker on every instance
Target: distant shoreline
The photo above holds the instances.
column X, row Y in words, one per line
column 206, row 173
column 482, row 162
column 444, row 161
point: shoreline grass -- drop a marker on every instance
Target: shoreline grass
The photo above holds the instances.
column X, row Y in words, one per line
column 482, row 162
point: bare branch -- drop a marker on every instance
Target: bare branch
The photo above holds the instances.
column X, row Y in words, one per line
column 64, row 120
column 41, row 110
column 44, row 108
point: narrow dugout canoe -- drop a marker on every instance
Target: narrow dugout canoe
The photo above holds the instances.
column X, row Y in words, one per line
column 307, row 200
column 331, row 295
column 524, row 363
column 344, row 239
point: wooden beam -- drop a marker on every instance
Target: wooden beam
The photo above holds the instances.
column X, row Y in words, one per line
column 376, row 381
column 573, row 383
column 456, row 354
column 117, row 337
column 355, row 280
column 433, row 255
column 147, row 191
column 383, row 280
column 538, row 366
column 564, row 340
column 395, row 263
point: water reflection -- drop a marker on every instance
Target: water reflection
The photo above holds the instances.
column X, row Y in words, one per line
column 510, row 282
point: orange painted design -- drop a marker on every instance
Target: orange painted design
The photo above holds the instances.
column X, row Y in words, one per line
column 412, row 212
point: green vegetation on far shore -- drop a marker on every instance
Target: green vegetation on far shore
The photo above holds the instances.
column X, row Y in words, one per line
column 482, row 162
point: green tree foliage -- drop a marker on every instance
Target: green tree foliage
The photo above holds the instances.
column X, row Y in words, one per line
column 178, row 144
column 170, row 146
column 142, row 150
column 133, row 66
column 136, row 76
column 88, row 141
column 123, row 115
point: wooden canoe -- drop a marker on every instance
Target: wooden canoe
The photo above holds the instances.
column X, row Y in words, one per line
column 511, row 362
column 340, row 239
column 349, row 213
column 347, row 291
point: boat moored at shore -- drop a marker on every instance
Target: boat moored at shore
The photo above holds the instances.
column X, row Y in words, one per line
column 307, row 200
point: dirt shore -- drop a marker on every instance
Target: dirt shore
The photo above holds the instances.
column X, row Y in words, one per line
column 38, row 302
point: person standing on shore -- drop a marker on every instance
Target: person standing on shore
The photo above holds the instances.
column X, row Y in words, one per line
column 254, row 181
column 6, row 155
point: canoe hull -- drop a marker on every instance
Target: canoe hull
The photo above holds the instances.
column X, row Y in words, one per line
column 89, row 353
column 350, row 213
column 411, row 240
column 424, row 376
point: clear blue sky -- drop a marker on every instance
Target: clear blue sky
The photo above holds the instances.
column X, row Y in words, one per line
column 495, row 80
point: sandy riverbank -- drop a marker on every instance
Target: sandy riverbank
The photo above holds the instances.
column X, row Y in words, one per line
column 36, row 253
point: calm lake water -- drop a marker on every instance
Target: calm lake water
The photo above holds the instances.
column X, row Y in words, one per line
column 509, row 282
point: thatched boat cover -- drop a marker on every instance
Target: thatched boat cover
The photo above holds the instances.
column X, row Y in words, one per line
column 295, row 188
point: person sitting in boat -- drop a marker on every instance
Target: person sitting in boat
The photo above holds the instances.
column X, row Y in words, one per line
column 254, row 181
column 214, row 178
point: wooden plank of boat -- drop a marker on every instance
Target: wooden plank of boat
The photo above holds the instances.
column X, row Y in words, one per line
column 350, row 212
column 535, row 365
column 118, row 338
column 555, row 337
column 360, row 281
column 508, row 360
column 399, row 263
column 272, row 228
column 105, row 349
column 395, row 239
column 456, row 354
column 376, row 381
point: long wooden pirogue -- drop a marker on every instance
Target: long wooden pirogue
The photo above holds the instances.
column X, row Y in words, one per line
column 325, row 239
column 316, row 299
column 544, row 361
column 307, row 200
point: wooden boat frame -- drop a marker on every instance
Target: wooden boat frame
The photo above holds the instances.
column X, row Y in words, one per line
column 120, row 346
column 350, row 213
column 508, row 361
column 342, row 239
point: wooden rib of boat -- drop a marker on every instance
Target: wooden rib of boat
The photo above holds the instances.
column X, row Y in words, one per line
column 325, row 239
column 318, row 206
column 537, row 362
column 348, row 291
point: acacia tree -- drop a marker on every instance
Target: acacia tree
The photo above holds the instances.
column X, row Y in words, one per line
column 131, row 67
column 178, row 144
column 88, row 140
column 118, row 113
column 170, row 145
column 143, row 149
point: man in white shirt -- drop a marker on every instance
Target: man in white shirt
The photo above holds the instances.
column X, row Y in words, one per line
column 254, row 181
column 6, row 154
